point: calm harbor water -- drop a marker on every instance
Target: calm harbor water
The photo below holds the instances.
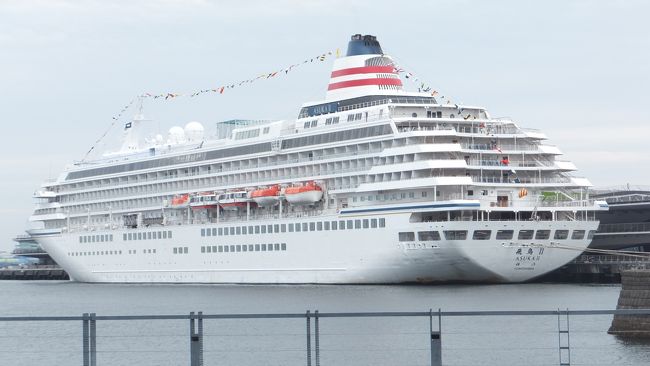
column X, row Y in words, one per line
column 368, row 341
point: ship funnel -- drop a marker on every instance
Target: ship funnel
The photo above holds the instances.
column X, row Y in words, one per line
column 364, row 70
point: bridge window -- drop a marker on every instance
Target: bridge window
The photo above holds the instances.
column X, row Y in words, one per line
column 525, row 234
column 578, row 234
column 561, row 234
column 543, row 234
column 482, row 234
column 428, row 235
column 406, row 236
column 456, row 234
column 504, row 234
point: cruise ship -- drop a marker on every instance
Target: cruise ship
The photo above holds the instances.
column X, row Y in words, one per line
column 373, row 184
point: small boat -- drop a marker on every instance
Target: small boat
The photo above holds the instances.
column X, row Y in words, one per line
column 232, row 201
column 203, row 201
column 180, row 201
column 266, row 197
column 306, row 194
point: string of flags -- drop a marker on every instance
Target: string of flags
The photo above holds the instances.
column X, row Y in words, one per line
column 224, row 87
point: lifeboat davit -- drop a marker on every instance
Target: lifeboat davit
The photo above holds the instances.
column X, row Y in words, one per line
column 233, row 201
column 266, row 197
column 204, row 200
column 180, row 201
column 304, row 195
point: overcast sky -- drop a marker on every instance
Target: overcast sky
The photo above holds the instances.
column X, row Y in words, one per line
column 579, row 70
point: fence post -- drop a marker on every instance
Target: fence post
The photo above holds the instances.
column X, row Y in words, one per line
column 317, row 338
column 307, row 316
column 93, row 339
column 196, row 339
column 85, row 338
column 436, row 341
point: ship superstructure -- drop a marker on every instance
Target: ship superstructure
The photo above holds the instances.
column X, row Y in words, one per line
column 374, row 184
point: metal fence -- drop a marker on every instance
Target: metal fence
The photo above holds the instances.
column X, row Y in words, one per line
column 434, row 337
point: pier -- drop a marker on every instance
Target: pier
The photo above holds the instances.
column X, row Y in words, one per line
column 47, row 272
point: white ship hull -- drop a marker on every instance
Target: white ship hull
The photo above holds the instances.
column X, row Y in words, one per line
column 357, row 256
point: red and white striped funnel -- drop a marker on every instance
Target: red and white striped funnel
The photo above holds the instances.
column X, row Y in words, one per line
column 364, row 70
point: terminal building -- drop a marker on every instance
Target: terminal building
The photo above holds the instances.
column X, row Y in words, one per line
column 624, row 228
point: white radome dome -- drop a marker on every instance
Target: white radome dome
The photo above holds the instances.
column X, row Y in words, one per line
column 194, row 131
column 176, row 135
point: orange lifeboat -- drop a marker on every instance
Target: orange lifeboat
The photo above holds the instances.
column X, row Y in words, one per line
column 304, row 195
column 180, row 200
column 266, row 197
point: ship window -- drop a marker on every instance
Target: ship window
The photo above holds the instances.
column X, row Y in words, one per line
column 244, row 248
column 525, row 234
column 456, row 234
column 164, row 235
column 220, row 249
column 291, row 227
column 257, row 247
column 169, row 234
column 232, row 248
column 451, row 116
column 220, row 231
column 251, row 229
column 284, row 246
column 578, row 234
column 263, row 228
column 266, row 130
column 314, row 123
column 149, row 236
column 334, row 225
column 439, row 114
column 335, row 120
column 257, row 229
column 349, row 225
column 357, row 116
column 428, row 235
column 283, row 228
column 373, row 223
column 406, row 236
column 226, row 249
column 208, row 232
column 139, row 237
column 382, row 222
column 482, row 235
column 542, row 234
column 124, row 237
column 214, row 231
column 238, row 230
column 225, row 231
column 250, row 247
column 209, row 249
column 326, row 225
column 202, row 249
column 185, row 250
column 175, row 250
column 306, row 124
column 244, row 230
column 312, row 226
column 504, row 234
column 276, row 228
column 319, row 226
column 270, row 247
column 591, row 234
column 366, row 223
column 232, row 230
column 328, row 121
column 159, row 234
column 276, row 246
column 214, row 249
column 264, row 247
column 350, row 117
column 561, row 234
column 357, row 224
column 304, row 226
column 238, row 247
column 297, row 227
